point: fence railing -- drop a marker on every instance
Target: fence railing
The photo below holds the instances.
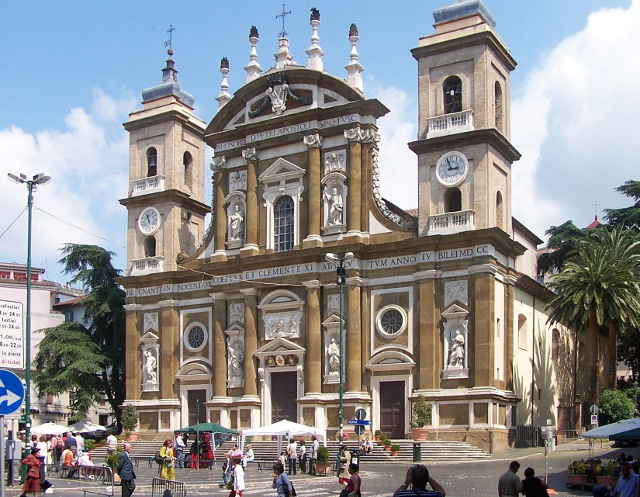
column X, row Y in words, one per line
column 158, row 487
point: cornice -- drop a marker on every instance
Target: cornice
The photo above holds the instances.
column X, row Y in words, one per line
column 171, row 195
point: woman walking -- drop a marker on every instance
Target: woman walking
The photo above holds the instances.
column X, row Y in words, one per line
column 281, row 482
column 168, row 466
column 344, row 463
column 32, row 481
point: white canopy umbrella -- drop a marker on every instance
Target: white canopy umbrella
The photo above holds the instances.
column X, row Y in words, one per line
column 284, row 428
column 613, row 428
column 49, row 429
column 86, row 426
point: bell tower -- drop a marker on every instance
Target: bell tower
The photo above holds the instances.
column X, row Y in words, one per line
column 463, row 146
column 165, row 202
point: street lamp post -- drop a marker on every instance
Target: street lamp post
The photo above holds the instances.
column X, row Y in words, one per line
column 32, row 185
column 341, row 279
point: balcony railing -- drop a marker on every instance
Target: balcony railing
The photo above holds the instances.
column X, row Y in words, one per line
column 148, row 265
column 451, row 222
column 146, row 185
column 447, row 124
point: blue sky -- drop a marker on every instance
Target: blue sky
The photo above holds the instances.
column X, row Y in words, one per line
column 74, row 69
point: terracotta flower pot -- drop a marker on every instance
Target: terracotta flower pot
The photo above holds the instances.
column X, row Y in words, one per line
column 419, row 434
column 387, row 448
column 394, row 453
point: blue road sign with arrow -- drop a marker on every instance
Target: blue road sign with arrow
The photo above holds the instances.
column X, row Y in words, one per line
column 359, row 422
column 11, row 392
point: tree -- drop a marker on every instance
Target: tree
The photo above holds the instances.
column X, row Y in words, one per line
column 87, row 361
column 629, row 351
column 564, row 239
column 598, row 287
column 615, row 405
column 628, row 217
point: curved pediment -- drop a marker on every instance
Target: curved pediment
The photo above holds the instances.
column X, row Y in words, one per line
column 390, row 360
column 307, row 89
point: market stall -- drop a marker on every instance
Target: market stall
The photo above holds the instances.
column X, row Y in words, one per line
column 202, row 449
column 284, row 429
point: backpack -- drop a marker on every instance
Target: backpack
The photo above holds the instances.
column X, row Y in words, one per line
column 158, row 458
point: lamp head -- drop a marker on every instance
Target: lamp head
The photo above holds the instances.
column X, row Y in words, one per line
column 15, row 178
column 41, row 179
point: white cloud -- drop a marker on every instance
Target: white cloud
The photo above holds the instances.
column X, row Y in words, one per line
column 88, row 163
column 576, row 123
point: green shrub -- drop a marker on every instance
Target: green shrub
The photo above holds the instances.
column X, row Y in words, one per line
column 89, row 445
column 112, row 459
column 386, row 442
column 421, row 413
column 129, row 418
column 395, row 448
column 323, row 455
column 614, row 406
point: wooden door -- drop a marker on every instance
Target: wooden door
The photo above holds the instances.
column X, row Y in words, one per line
column 392, row 408
column 284, row 393
column 196, row 400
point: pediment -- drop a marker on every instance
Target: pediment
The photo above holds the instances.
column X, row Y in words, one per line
column 149, row 336
column 193, row 369
column 454, row 311
column 234, row 329
column 333, row 320
column 279, row 346
column 281, row 170
column 390, row 360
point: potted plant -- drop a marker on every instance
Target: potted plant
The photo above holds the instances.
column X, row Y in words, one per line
column 577, row 476
column 129, row 421
column 395, row 449
column 322, row 462
column 377, row 435
column 421, row 417
column 387, row 444
column 112, row 462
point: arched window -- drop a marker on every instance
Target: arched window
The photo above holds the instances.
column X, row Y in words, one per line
column 452, row 89
column 283, row 224
column 497, row 105
column 152, row 162
column 522, row 331
column 452, row 200
column 555, row 345
column 186, row 164
column 150, row 246
column 499, row 211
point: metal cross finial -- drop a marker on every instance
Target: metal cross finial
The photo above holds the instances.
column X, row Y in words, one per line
column 596, row 206
column 169, row 43
column 283, row 14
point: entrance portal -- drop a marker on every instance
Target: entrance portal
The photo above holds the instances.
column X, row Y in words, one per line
column 392, row 408
column 284, row 392
column 196, row 400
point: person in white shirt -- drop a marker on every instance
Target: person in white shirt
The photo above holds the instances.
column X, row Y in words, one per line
column 313, row 455
column 302, row 457
column 292, row 456
column 238, row 478
column 249, row 456
column 112, row 443
column 79, row 441
column 180, row 448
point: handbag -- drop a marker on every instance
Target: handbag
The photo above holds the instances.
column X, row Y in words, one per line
column 46, row 485
column 344, row 492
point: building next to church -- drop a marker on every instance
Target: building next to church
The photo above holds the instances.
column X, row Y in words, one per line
column 239, row 322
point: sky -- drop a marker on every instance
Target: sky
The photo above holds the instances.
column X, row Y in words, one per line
column 74, row 70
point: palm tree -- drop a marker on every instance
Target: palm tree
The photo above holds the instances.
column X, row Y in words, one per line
column 598, row 288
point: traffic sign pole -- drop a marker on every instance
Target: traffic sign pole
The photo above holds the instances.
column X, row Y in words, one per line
column 1, row 456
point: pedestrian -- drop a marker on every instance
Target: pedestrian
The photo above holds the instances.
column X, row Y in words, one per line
column 126, row 472
column 180, row 449
column 292, row 456
column 302, row 457
column 238, row 478
column 532, row 486
column 55, row 455
column 70, row 442
column 79, row 441
column 509, row 484
column 415, row 484
column 281, row 482
column 168, row 466
column 282, row 459
column 628, row 483
column 249, row 456
column 112, row 443
column 313, row 456
column 352, row 489
column 344, row 461
column 32, row 480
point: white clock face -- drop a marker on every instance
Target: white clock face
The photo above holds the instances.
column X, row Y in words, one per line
column 452, row 168
column 149, row 220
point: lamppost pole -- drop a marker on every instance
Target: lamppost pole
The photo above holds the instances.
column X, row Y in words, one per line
column 32, row 184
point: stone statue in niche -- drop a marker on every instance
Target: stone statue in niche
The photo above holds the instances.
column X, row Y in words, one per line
column 149, row 369
column 335, row 205
column 235, row 358
column 236, row 222
column 457, row 351
column 333, row 358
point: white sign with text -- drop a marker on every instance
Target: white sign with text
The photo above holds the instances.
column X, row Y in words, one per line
column 11, row 335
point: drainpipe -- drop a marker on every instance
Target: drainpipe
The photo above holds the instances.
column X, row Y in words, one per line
column 533, row 362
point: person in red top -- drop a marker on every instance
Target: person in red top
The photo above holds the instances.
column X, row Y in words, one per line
column 32, row 481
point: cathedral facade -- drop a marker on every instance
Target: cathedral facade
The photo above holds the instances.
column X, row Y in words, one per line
column 240, row 322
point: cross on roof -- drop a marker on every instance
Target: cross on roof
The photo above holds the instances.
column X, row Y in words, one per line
column 283, row 14
column 169, row 43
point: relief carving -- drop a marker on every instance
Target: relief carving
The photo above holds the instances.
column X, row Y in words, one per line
column 335, row 161
column 456, row 291
column 237, row 181
column 282, row 324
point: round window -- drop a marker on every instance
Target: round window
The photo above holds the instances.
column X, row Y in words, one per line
column 195, row 337
column 391, row 321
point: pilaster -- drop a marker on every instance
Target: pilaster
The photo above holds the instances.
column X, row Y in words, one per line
column 250, row 341
column 509, row 333
column 430, row 346
column 484, row 318
column 354, row 335
column 221, row 215
column 314, row 207
column 354, row 137
column 313, row 373
column 219, row 348
column 168, row 347
column 251, row 245
column 132, row 354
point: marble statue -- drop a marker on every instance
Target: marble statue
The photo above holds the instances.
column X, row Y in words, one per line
column 149, row 368
column 235, row 358
column 456, row 351
column 335, row 205
column 333, row 357
column 236, row 223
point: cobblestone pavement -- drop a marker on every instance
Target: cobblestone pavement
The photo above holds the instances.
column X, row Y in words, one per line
column 462, row 479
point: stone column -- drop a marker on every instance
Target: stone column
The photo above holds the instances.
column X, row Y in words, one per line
column 354, row 136
column 251, row 218
column 132, row 353
column 219, row 346
column 313, row 356
column 430, row 344
column 354, row 336
column 509, row 332
column 169, row 334
column 220, row 212
column 484, row 319
column 250, row 341
column 314, row 204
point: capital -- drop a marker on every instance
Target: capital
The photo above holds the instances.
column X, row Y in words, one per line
column 353, row 134
column 370, row 135
column 249, row 154
column 248, row 292
column 312, row 141
column 312, row 284
column 219, row 296
column 218, row 162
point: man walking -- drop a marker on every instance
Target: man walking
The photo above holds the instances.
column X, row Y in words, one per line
column 509, row 484
column 126, row 472
column 180, row 448
column 313, row 455
column 292, row 456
